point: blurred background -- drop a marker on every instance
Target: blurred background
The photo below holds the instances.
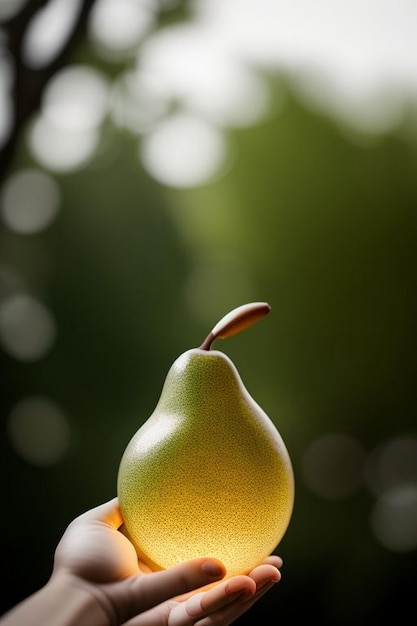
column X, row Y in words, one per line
column 162, row 162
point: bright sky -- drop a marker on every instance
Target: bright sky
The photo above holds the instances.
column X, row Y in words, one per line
column 360, row 40
column 342, row 53
column 356, row 60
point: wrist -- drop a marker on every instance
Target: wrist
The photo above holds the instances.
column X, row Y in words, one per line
column 65, row 600
column 80, row 602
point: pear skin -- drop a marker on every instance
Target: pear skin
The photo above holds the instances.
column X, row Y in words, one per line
column 208, row 473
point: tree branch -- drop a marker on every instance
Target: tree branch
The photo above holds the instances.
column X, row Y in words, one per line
column 28, row 83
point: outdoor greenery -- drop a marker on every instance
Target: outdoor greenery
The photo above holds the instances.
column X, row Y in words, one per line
column 307, row 214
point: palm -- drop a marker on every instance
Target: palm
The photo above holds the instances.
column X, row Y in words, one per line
column 98, row 554
column 93, row 549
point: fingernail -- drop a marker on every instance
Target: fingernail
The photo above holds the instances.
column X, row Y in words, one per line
column 275, row 560
column 212, row 569
column 267, row 586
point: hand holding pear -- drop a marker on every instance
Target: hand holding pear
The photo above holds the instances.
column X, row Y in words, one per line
column 208, row 473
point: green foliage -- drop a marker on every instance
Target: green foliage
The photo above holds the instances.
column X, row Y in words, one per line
column 318, row 224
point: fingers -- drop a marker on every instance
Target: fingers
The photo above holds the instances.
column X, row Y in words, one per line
column 274, row 560
column 265, row 573
column 210, row 602
column 224, row 603
column 265, row 577
column 155, row 588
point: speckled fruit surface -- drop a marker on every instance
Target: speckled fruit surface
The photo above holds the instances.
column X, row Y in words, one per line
column 208, row 473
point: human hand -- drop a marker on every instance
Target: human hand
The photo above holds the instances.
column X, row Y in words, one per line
column 93, row 553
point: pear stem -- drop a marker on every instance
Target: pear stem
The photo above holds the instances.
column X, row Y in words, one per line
column 238, row 319
column 206, row 345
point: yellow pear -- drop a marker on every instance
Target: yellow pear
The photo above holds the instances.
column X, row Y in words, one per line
column 208, row 473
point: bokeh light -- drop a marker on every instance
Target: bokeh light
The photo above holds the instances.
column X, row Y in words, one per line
column 29, row 201
column 335, row 466
column 76, row 98
column 392, row 465
column 139, row 101
column 183, row 151
column 117, row 26
column 203, row 76
column 62, row 149
column 332, row 466
column 6, row 105
column 199, row 154
column 66, row 134
column 39, row 431
column 48, row 32
column 27, row 327
column 394, row 519
column 347, row 62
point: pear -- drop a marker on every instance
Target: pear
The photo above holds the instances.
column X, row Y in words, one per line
column 208, row 473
